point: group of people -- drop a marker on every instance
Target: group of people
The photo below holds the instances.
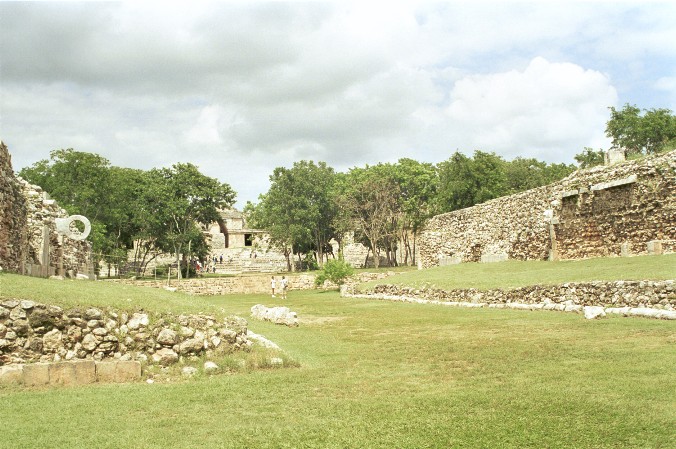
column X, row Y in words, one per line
column 283, row 286
column 199, row 268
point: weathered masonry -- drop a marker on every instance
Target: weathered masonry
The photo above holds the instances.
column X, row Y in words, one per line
column 625, row 209
column 29, row 241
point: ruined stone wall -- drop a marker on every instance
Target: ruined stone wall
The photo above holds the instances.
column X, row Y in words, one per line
column 13, row 227
column 31, row 332
column 650, row 299
column 623, row 209
column 244, row 284
column 26, row 211
column 659, row 295
column 42, row 213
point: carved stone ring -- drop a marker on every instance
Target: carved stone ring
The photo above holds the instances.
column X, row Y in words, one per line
column 64, row 226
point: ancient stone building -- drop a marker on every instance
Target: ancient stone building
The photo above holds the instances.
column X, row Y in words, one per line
column 621, row 209
column 248, row 250
column 29, row 242
column 238, row 248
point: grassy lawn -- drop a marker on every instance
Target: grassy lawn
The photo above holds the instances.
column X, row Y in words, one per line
column 515, row 273
column 372, row 374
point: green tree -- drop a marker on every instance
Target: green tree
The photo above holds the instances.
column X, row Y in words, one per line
column 298, row 210
column 528, row 173
column 418, row 183
column 650, row 133
column 183, row 198
column 80, row 183
column 465, row 181
column 590, row 158
column 371, row 199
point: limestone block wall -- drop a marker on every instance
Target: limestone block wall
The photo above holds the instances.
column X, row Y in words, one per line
column 80, row 372
column 623, row 209
column 13, row 227
column 39, row 333
column 510, row 227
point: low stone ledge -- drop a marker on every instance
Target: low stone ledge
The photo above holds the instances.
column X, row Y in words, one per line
column 80, row 372
column 32, row 333
column 648, row 299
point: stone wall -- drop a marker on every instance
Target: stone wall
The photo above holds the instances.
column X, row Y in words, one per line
column 656, row 299
column 244, row 284
column 80, row 372
column 623, row 209
column 27, row 221
column 13, row 227
column 42, row 213
column 37, row 333
column 224, row 285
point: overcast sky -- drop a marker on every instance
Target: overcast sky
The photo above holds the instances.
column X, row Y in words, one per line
column 239, row 88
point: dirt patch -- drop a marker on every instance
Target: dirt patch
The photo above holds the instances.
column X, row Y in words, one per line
column 320, row 320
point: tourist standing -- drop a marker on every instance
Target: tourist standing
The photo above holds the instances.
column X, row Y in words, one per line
column 273, row 284
column 285, row 284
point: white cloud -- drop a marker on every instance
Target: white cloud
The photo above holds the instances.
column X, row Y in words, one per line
column 239, row 88
column 543, row 110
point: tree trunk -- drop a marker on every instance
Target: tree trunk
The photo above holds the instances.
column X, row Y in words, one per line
column 178, row 262
column 287, row 255
column 413, row 254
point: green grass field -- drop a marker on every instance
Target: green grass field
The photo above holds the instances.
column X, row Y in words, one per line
column 515, row 273
column 373, row 374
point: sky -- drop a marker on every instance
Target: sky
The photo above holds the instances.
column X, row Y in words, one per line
column 239, row 88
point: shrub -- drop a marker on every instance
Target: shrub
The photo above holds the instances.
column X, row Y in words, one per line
column 336, row 271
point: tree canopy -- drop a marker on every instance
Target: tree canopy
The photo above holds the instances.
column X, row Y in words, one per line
column 155, row 209
column 642, row 132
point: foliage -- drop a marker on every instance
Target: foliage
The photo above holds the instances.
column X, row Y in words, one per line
column 184, row 198
column 528, row 173
column 371, row 200
column 465, row 181
column 298, row 210
column 336, row 271
column 590, row 158
column 128, row 208
column 418, row 183
column 650, row 133
column 80, row 182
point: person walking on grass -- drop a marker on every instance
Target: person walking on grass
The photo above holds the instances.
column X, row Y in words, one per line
column 273, row 284
column 285, row 284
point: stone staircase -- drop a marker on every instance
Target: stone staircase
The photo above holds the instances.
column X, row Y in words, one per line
column 246, row 260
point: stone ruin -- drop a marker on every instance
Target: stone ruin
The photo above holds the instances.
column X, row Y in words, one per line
column 277, row 315
column 29, row 240
column 59, row 341
column 628, row 208
column 649, row 299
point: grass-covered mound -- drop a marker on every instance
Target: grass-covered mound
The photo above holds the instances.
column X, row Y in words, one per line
column 515, row 273
column 374, row 374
